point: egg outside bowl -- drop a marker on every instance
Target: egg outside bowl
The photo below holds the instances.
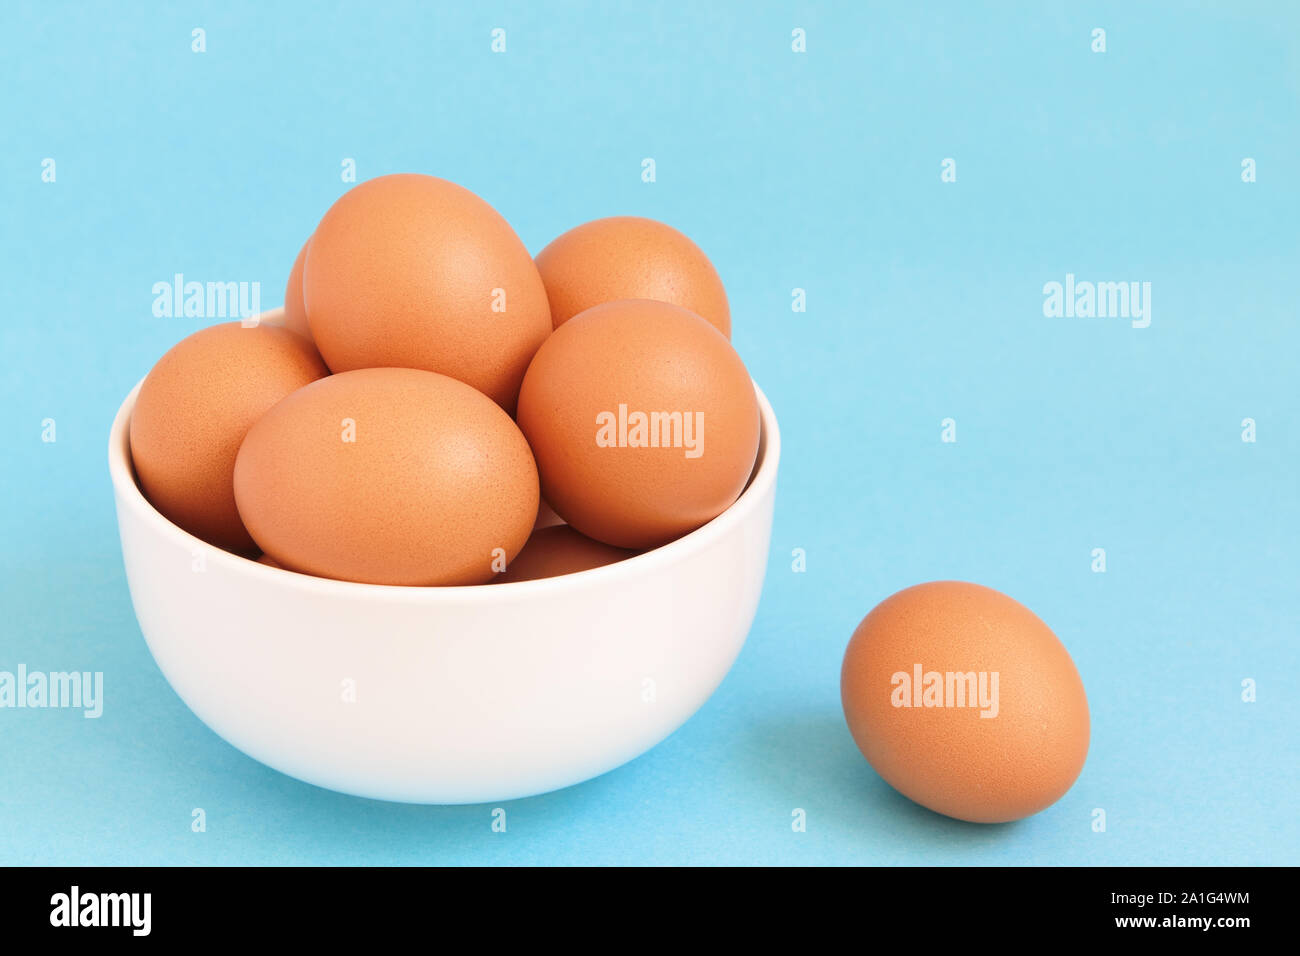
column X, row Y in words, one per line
column 446, row 695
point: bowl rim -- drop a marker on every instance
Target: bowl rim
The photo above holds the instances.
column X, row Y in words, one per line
column 761, row 481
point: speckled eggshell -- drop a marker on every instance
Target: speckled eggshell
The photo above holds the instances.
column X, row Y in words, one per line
column 628, row 257
column 559, row 550
column 415, row 272
column 950, row 758
column 388, row 476
column 650, row 357
column 193, row 410
column 295, row 312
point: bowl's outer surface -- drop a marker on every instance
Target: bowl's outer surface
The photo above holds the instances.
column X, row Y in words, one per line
column 446, row 695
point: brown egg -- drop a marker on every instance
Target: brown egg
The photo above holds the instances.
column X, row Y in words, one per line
column 295, row 313
column 627, row 257
column 415, row 272
column 643, row 420
column 193, row 411
column 966, row 702
column 388, row 476
column 270, row 562
column 559, row 550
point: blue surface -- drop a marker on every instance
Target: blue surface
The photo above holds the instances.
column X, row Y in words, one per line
column 819, row 171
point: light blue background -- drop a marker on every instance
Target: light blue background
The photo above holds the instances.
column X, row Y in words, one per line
column 818, row 171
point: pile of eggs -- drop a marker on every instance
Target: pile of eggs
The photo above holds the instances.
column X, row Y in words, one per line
column 433, row 384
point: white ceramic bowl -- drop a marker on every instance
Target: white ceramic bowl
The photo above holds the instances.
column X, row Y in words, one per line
column 455, row 694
